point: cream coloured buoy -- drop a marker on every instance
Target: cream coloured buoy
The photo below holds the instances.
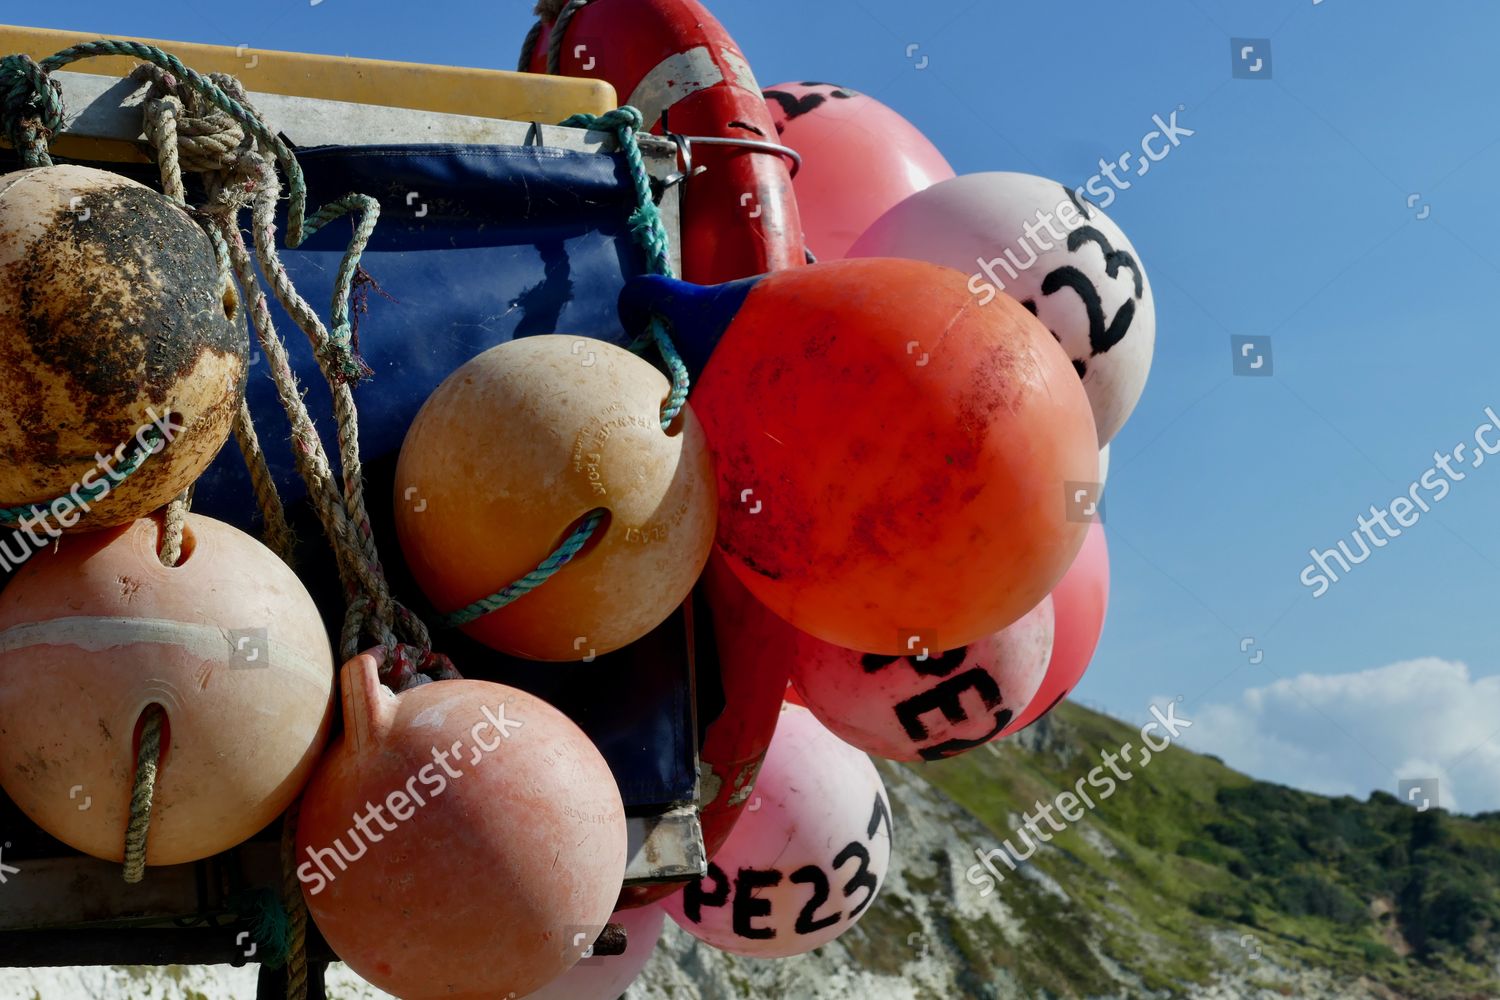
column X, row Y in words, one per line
column 512, row 452
column 121, row 343
column 228, row 643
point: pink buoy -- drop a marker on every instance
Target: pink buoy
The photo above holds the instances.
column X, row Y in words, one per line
column 859, row 158
column 1079, row 603
column 608, row 977
column 926, row 705
column 806, row 859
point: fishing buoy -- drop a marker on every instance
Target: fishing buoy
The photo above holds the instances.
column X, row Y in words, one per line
column 121, row 345
column 1055, row 253
column 928, row 704
column 739, row 702
column 607, row 977
column 461, row 840
column 893, row 462
column 1079, row 604
column 228, row 643
column 807, row 858
column 512, row 453
column 859, row 158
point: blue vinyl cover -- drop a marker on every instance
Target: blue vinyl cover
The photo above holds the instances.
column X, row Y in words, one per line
column 476, row 245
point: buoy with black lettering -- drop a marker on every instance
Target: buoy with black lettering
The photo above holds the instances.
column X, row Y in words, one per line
column 227, row 643
column 1033, row 240
column 807, row 857
column 123, row 349
column 461, row 840
column 518, row 449
column 928, row 704
column 893, row 460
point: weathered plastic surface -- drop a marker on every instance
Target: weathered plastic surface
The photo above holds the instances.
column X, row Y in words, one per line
column 808, row 857
column 503, row 854
column 228, row 643
column 513, row 450
column 113, row 313
column 608, row 977
column 893, row 459
column 929, row 704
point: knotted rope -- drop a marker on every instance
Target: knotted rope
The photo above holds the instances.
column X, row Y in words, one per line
column 31, row 108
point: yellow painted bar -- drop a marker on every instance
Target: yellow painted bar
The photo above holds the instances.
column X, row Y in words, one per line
column 484, row 93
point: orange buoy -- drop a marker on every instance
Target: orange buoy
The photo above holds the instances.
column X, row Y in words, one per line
column 893, row 460
column 461, row 840
column 117, row 333
column 512, row 453
column 228, row 643
column 929, row 704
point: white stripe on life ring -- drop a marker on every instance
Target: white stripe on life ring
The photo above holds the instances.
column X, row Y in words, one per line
column 673, row 79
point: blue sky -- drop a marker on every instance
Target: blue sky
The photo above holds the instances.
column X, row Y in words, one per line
column 1285, row 216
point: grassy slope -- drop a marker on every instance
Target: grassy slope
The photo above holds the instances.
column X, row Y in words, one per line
column 1199, row 844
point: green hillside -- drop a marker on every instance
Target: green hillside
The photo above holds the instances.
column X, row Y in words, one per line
column 1408, row 900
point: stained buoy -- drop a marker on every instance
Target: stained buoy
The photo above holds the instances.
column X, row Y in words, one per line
column 512, row 453
column 808, row 856
column 608, row 977
column 462, row 840
column 928, row 704
column 118, row 333
column 859, row 158
column 228, row 643
column 1034, row 240
column 1079, row 604
column 893, row 461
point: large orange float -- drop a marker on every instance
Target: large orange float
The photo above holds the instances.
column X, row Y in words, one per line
column 893, row 460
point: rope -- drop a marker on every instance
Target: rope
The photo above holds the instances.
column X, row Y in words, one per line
column 550, row 565
column 650, row 232
column 31, row 108
column 146, row 766
column 277, row 534
column 295, row 906
column 105, row 481
column 173, row 524
column 559, row 32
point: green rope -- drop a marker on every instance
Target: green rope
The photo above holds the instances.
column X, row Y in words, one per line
column 31, row 110
column 103, row 484
column 650, row 232
column 550, row 565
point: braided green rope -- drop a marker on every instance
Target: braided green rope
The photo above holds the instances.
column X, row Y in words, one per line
column 650, row 232
column 31, row 108
column 550, row 565
column 103, row 484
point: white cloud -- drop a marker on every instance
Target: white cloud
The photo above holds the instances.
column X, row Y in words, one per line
column 1350, row 734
